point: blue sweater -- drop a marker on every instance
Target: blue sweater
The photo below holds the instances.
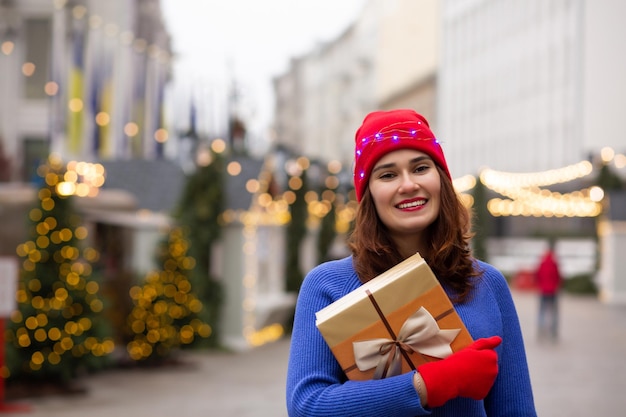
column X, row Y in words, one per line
column 316, row 385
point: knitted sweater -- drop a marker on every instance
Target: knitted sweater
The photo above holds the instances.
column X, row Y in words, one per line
column 316, row 385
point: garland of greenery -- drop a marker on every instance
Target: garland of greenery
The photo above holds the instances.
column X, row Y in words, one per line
column 198, row 213
column 481, row 222
column 296, row 232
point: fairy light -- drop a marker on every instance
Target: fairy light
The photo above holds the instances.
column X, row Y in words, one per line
column 51, row 88
column 596, row 194
column 607, row 154
column 7, row 47
column 234, row 168
column 28, row 69
column 502, row 181
column 525, row 197
column 464, row 183
column 265, row 210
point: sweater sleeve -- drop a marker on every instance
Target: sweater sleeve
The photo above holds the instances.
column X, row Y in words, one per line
column 316, row 385
column 511, row 394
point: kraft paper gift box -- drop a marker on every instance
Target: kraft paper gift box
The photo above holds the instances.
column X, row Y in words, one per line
column 393, row 323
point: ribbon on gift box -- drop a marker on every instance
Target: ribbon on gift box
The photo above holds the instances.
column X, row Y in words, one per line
column 419, row 333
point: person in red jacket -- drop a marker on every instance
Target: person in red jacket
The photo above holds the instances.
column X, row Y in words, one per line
column 548, row 278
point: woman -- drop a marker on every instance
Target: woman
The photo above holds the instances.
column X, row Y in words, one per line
column 407, row 204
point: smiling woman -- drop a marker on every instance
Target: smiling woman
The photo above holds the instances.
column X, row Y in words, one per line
column 407, row 204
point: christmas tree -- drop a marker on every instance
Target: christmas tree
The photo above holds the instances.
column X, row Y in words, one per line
column 165, row 315
column 198, row 213
column 58, row 329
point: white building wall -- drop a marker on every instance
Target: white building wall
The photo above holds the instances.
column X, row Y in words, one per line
column 529, row 85
column 604, row 75
column 337, row 89
column 407, row 46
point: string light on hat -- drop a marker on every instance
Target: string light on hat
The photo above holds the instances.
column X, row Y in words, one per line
column 394, row 134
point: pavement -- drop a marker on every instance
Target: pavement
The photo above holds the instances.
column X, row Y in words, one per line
column 582, row 374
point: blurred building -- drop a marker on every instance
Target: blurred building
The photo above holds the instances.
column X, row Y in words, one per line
column 86, row 79
column 386, row 59
column 82, row 78
column 530, row 85
column 541, row 80
column 517, row 86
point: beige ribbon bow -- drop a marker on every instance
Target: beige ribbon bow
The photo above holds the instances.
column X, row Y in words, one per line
column 419, row 333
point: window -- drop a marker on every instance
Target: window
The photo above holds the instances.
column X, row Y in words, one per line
column 38, row 36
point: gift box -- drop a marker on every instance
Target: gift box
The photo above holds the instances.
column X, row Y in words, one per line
column 393, row 323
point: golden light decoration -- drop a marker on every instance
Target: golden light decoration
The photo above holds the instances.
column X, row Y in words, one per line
column 161, row 135
column 204, row 157
column 596, row 194
column 75, row 105
column 346, row 213
column 131, row 129
column 295, row 183
column 218, row 145
column 161, row 301
column 253, row 186
column 331, row 182
column 607, row 154
column 28, row 69
column 334, row 167
column 102, row 118
column 503, row 181
column 525, row 197
column 51, row 88
column 72, row 275
column 7, row 47
column 233, row 168
column 82, row 179
column 464, row 183
column 303, row 162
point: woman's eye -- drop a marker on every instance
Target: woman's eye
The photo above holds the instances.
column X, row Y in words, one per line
column 387, row 175
column 421, row 168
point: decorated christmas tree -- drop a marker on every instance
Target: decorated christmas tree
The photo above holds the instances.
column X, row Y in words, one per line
column 165, row 316
column 58, row 328
column 177, row 305
column 198, row 213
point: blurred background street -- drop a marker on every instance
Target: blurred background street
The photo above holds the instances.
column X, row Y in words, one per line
column 171, row 169
column 582, row 374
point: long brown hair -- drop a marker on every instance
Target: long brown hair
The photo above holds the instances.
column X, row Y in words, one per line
column 449, row 255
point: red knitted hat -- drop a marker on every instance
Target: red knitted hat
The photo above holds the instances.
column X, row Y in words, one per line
column 386, row 131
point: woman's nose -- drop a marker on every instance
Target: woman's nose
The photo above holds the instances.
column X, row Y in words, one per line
column 407, row 183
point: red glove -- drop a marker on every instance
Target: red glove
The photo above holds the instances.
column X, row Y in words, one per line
column 469, row 372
